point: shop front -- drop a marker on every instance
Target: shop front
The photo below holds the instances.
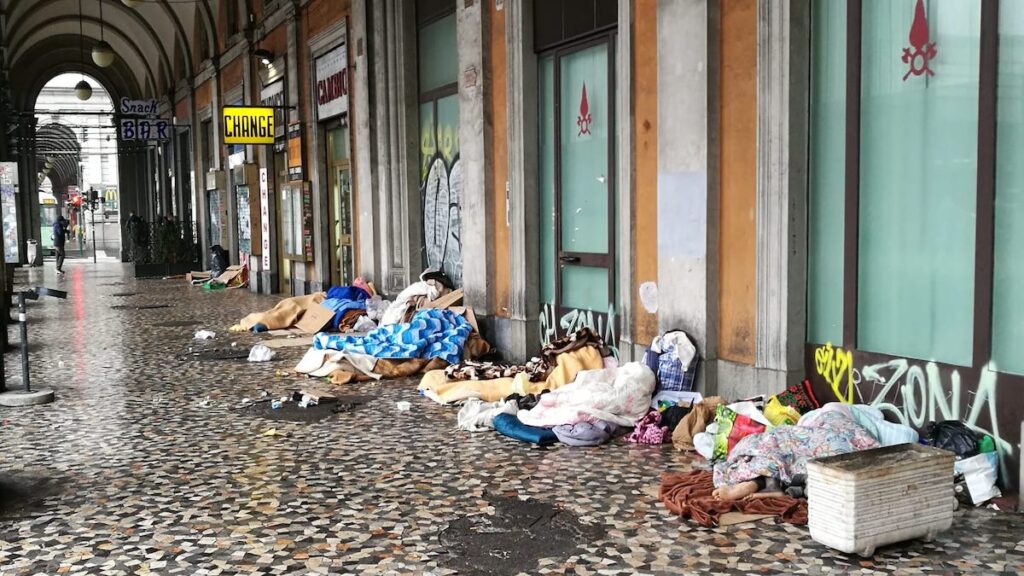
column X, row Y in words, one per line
column 332, row 111
column 915, row 285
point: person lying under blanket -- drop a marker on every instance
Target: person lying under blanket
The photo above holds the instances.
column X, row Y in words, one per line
column 772, row 461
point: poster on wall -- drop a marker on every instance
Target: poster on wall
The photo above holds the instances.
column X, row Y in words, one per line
column 307, row 221
column 332, row 83
column 265, row 218
column 9, row 209
column 244, row 223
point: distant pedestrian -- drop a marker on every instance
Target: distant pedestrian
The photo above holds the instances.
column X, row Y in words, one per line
column 60, row 237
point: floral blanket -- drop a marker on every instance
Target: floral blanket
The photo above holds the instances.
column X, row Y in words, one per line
column 782, row 452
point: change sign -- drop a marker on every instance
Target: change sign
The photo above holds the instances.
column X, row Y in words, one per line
column 248, row 125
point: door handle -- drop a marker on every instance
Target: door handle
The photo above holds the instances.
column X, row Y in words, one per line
column 570, row 259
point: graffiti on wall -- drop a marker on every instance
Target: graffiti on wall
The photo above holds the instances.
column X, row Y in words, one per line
column 442, row 217
column 553, row 327
column 915, row 392
column 835, row 365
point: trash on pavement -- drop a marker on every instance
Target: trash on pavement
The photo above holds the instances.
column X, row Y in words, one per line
column 205, row 335
column 403, row 406
column 260, row 353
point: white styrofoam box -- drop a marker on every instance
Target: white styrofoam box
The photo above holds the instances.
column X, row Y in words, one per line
column 862, row 500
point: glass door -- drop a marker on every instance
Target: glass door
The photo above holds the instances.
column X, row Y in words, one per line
column 577, row 190
column 340, row 183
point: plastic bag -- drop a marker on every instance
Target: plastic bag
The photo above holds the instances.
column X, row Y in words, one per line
column 954, row 436
column 261, row 353
column 980, row 474
column 376, row 307
column 364, row 324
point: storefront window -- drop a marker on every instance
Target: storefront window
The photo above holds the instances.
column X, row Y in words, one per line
column 1008, row 287
column 291, row 221
column 825, row 222
column 918, row 176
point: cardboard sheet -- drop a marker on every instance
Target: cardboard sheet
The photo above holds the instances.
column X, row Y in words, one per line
column 315, row 319
column 275, row 343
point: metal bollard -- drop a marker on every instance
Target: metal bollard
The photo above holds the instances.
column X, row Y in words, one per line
column 23, row 323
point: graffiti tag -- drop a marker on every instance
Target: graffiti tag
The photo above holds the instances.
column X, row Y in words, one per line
column 835, row 365
column 442, row 216
column 552, row 328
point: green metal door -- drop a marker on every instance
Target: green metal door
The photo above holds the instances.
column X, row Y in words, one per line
column 577, row 186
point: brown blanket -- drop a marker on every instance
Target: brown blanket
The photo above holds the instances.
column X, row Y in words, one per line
column 689, row 495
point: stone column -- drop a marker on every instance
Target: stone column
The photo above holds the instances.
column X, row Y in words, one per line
column 522, row 337
column 364, row 160
column 475, row 127
column 396, row 121
column 783, row 92
column 687, row 217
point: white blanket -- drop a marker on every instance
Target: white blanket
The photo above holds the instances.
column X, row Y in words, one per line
column 618, row 395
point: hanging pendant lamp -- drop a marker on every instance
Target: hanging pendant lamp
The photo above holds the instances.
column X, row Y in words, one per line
column 102, row 52
column 83, row 90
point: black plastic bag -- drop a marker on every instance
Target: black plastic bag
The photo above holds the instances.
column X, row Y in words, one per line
column 954, row 436
column 218, row 260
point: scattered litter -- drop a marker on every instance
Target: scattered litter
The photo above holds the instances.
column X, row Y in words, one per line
column 307, row 401
column 205, row 402
column 60, row 363
column 260, row 353
column 403, row 406
column 205, row 335
column 273, row 432
column 233, row 344
column 275, row 404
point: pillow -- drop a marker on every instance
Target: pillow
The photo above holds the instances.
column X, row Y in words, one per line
column 732, row 427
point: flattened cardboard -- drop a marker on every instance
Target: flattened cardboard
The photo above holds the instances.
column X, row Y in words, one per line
column 230, row 274
column 450, row 299
column 321, row 395
column 467, row 313
column 315, row 318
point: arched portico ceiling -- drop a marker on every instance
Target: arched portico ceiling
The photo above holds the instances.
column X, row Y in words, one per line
column 146, row 38
column 61, row 54
column 57, row 142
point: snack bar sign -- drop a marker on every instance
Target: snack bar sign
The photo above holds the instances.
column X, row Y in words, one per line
column 139, row 122
column 248, row 125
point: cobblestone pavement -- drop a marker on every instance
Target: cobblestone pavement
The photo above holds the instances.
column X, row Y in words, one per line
column 133, row 471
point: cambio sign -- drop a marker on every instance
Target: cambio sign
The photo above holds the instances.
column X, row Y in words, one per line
column 332, row 83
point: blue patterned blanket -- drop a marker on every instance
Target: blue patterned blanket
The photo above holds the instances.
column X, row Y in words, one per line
column 431, row 334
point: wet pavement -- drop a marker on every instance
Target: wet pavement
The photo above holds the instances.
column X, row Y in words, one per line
column 146, row 464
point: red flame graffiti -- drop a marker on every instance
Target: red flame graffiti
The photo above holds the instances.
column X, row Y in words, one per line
column 919, row 42
column 584, row 119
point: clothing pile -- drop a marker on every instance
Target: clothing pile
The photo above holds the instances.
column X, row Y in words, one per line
column 559, row 363
column 431, row 334
column 759, row 449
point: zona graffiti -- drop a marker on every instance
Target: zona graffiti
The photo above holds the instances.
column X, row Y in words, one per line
column 915, row 393
column 552, row 328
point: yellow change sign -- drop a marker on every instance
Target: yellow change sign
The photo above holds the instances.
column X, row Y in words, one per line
column 248, row 125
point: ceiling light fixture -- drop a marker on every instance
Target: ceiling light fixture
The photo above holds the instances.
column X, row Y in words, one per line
column 83, row 90
column 102, row 52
